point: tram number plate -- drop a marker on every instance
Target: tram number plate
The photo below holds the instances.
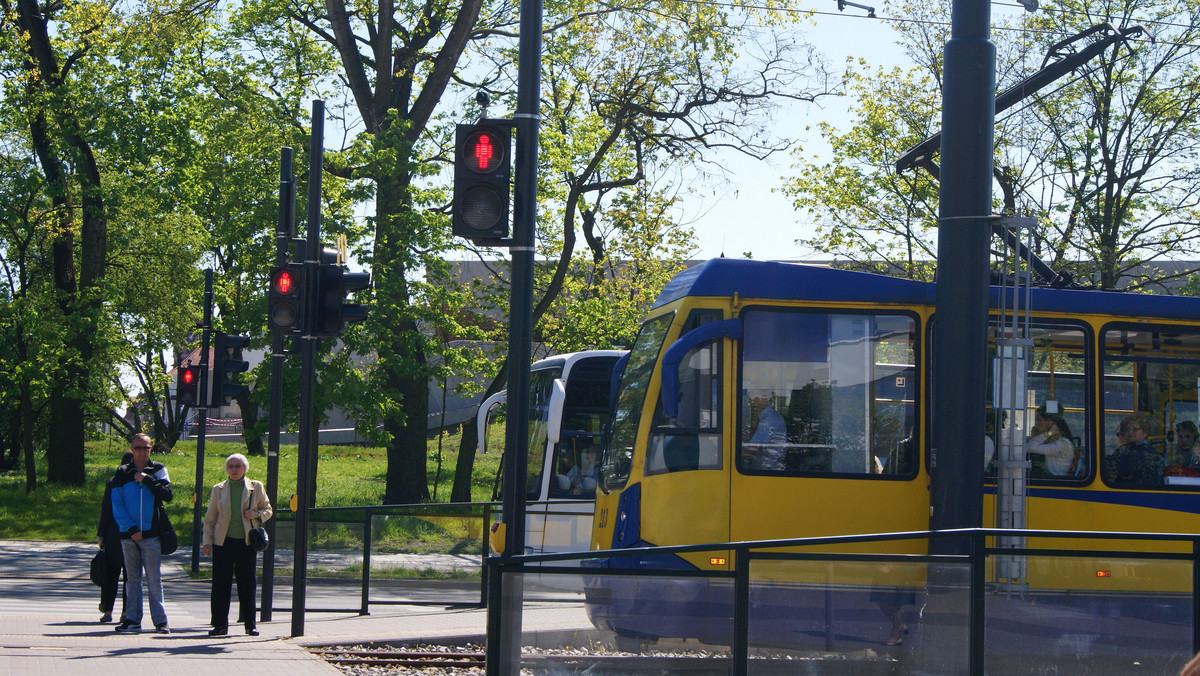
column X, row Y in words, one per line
column 602, row 520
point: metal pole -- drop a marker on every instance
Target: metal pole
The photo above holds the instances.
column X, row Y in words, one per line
column 506, row 657
column 283, row 235
column 740, row 651
column 202, row 411
column 964, row 231
column 307, row 452
column 365, row 607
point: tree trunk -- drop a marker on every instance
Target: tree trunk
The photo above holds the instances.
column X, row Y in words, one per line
column 249, row 409
column 407, row 480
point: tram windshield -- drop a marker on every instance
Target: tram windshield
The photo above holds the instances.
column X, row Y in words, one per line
column 631, row 395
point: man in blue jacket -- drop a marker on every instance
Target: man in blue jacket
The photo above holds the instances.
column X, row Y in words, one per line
column 136, row 490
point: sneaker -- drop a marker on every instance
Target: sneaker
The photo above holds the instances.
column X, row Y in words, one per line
column 127, row 627
column 162, row 628
column 106, row 618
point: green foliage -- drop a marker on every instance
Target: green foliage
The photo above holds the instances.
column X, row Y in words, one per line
column 1103, row 160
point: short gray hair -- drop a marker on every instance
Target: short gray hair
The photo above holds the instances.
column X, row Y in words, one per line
column 238, row 456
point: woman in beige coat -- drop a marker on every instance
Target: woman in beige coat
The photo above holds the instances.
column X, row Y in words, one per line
column 227, row 540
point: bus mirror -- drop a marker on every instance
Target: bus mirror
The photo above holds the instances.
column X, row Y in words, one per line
column 481, row 418
column 728, row 328
column 558, row 396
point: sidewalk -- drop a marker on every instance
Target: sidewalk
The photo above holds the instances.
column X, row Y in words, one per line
column 48, row 623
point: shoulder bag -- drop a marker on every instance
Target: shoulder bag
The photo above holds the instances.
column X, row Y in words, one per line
column 167, row 538
column 99, row 569
column 258, row 538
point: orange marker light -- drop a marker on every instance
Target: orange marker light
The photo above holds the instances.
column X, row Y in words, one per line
column 716, row 561
column 1104, row 573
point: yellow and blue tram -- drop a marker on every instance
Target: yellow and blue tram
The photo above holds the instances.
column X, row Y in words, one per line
column 769, row 400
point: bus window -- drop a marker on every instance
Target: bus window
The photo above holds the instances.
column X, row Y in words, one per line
column 827, row 393
column 1054, row 370
column 631, row 395
column 585, row 411
column 1151, row 376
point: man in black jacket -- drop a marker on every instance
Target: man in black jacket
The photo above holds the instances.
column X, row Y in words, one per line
column 137, row 490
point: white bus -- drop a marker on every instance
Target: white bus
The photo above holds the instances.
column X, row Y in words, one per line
column 569, row 402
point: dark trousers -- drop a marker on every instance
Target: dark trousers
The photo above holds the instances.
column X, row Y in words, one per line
column 108, row 591
column 234, row 557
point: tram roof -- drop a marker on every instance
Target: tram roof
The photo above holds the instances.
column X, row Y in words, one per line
column 768, row 280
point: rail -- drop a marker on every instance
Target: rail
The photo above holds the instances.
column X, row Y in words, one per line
column 367, row 539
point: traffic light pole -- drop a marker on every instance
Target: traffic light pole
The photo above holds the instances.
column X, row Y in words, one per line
column 283, row 236
column 307, row 453
column 202, row 412
column 505, row 621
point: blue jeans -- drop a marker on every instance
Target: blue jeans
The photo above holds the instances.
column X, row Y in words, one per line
column 145, row 553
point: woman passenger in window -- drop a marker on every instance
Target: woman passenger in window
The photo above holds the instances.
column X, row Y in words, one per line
column 1053, row 442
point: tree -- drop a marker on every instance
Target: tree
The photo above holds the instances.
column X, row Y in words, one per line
column 1103, row 160
column 72, row 176
column 634, row 95
column 396, row 60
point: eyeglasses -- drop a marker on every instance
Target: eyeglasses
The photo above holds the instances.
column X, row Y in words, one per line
column 141, row 448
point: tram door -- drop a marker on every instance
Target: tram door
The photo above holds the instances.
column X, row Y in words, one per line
column 826, row 417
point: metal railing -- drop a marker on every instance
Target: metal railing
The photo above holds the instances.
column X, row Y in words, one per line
column 356, row 529
column 966, row 551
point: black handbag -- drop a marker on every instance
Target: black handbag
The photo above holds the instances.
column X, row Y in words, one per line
column 99, row 570
column 167, row 539
column 258, row 538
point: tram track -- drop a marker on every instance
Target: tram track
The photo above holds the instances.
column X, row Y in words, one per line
column 541, row 663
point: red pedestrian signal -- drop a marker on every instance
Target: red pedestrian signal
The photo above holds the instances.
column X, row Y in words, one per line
column 481, row 148
column 482, row 167
column 187, row 385
column 284, row 302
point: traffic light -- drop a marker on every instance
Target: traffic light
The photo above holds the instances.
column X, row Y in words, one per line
column 333, row 312
column 284, row 300
column 226, row 361
column 187, row 385
column 482, row 165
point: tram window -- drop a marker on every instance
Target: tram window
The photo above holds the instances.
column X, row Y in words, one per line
column 691, row 440
column 631, row 395
column 1051, row 368
column 1151, row 377
column 827, row 393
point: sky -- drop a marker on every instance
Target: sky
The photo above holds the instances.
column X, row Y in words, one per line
column 754, row 217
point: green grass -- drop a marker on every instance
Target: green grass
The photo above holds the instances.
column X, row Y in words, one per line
column 346, row 476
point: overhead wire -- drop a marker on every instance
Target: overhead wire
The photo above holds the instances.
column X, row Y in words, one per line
column 931, row 22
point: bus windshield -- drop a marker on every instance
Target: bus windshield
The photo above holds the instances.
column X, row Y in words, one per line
column 541, row 385
column 631, row 395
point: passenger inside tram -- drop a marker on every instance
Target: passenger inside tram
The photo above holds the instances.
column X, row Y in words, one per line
column 1051, row 447
column 1185, row 455
column 1135, row 462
